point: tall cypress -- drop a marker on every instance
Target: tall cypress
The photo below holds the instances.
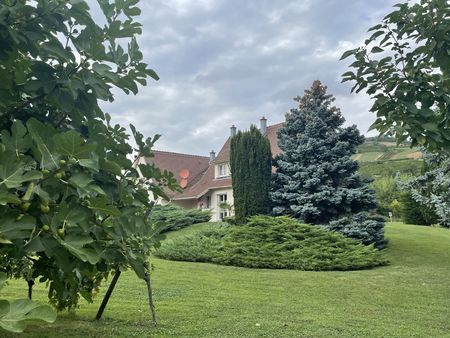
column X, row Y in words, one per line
column 251, row 169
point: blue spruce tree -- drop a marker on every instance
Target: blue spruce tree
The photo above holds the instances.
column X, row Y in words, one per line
column 316, row 180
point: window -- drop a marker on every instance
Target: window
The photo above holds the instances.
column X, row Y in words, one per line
column 208, row 202
column 222, row 198
column 222, row 170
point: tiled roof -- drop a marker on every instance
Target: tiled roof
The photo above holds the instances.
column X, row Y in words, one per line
column 224, row 153
column 207, row 181
column 271, row 134
column 175, row 162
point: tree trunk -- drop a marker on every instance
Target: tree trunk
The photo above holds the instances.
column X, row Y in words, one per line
column 30, row 288
column 108, row 294
column 150, row 296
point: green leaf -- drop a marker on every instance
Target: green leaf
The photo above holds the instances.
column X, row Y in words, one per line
column 72, row 144
column 132, row 11
column 54, row 48
column 111, row 166
column 12, row 228
column 71, row 215
column 375, row 35
column 75, row 244
column 35, row 245
column 102, row 205
column 100, row 68
column 13, row 173
column 377, row 50
column 15, row 315
column 138, row 267
column 18, row 141
column 6, row 197
column 45, row 197
column 95, row 188
column 80, row 180
column 347, row 53
column 152, row 74
column 39, row 132
column 90, row 163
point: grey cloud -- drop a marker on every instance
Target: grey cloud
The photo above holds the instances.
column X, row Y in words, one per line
column 225, row 62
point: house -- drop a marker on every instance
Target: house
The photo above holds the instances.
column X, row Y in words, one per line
column 206, row 181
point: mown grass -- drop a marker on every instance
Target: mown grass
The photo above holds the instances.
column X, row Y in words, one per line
column 408, row 298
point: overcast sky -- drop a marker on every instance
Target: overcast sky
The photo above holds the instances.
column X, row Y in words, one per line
column 225, row 62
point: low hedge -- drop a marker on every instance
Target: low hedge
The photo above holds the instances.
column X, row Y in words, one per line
column 275, row 243
column 174, row 217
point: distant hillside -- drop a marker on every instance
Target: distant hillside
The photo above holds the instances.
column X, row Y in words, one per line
column 385, row 149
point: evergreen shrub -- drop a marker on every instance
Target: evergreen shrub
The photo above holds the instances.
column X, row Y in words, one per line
column 175, row 217
column 413, row 212
column 363, row 226
column 274, row 243
column 251, row 169
column 199, row 246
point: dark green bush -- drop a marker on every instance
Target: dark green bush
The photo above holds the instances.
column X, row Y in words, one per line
column 199, row 246
column 176, row 218
column 275, row 243
column 230, row 220
column 413, row 212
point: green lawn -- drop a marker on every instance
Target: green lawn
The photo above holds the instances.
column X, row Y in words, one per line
column 409, row 298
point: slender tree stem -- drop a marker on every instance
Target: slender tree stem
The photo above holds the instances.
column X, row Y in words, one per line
column 30, row 288
column 150, row 296
column 108, row 294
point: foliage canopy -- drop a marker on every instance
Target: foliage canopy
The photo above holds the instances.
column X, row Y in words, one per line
column 405, row 67
column 71, row 199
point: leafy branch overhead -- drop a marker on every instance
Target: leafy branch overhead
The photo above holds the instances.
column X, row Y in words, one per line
column 72, row 201
column 405, row 67
column 75, row 70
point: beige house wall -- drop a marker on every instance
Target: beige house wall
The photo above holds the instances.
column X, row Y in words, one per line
column 214, row 196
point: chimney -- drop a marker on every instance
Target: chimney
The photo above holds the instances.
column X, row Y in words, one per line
column 232, row 130
column 212, row 156
column 263, row 125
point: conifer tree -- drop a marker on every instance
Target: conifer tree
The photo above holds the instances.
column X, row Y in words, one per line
column 250, row 162
column 316, row 180
column 431, row 189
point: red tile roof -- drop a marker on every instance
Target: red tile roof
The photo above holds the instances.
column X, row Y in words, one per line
column 207, row 181
column 272, row 135
column 175, row 162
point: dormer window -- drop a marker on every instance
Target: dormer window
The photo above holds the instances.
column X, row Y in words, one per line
column 222, row 170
